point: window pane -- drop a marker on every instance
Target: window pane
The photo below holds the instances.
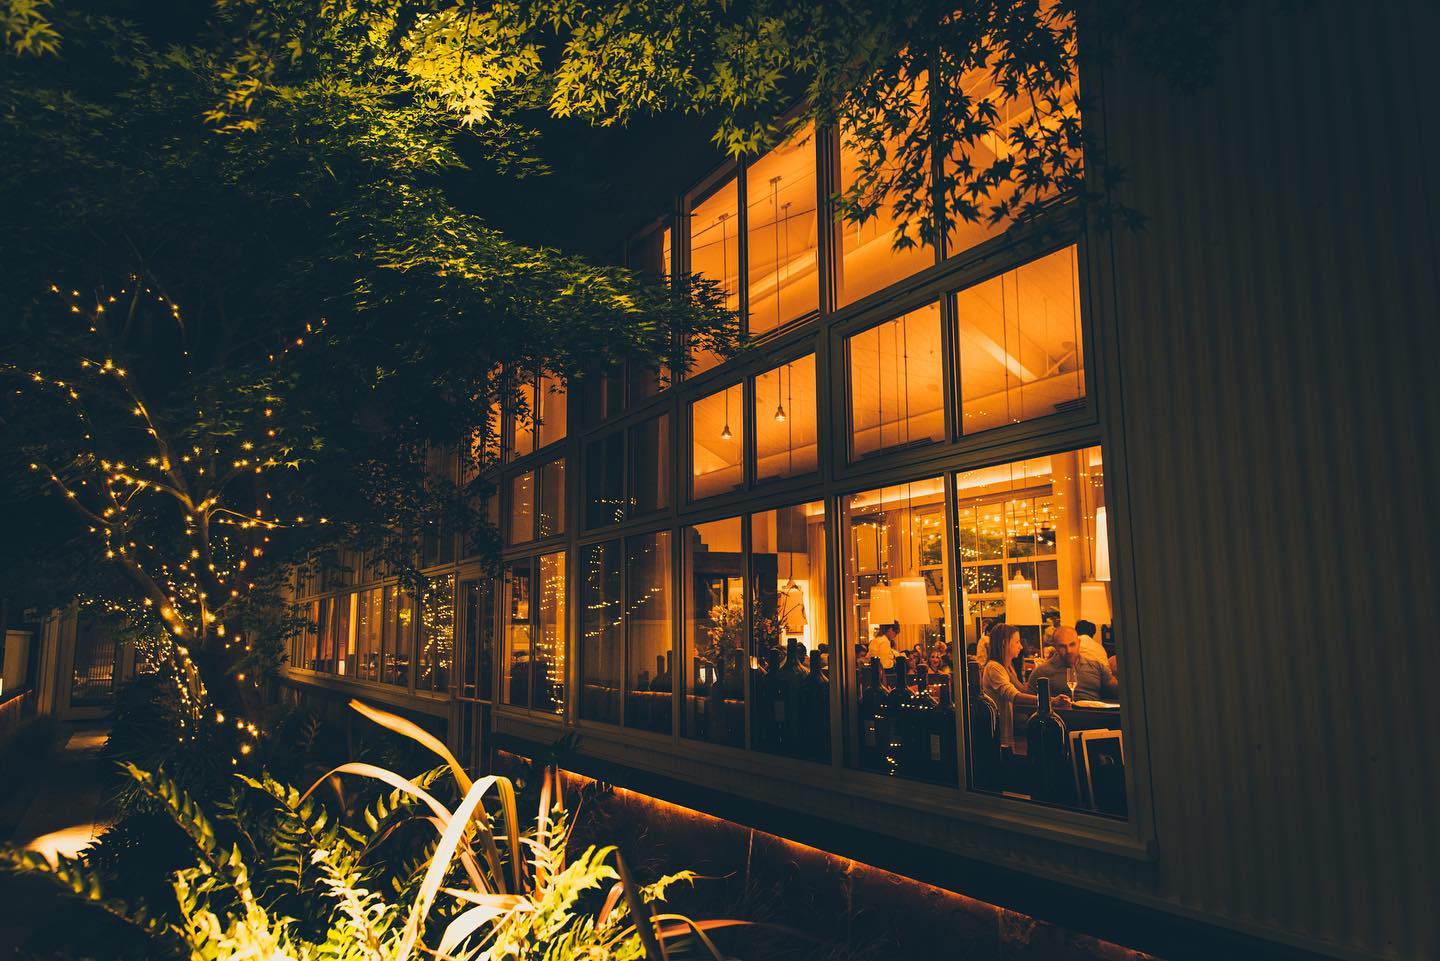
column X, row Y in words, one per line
column 896, row 599
column 649, row 696
column 551, row 519
column 785, row 438
column 717, row 430
column 897, row 384
column 519, row 649
column 650, row 252
column 715, row 252
column 344, row 634
column 551, row 635
column 605, row 481
column 400, row 637
column 1049, row 621
column 715, row 633
column 478, row 597
column 1020, row 344
column 715, row 240
column 522, row 507
column 790, row 649
column 522, row 422
column 868, row 258
column 1032, row 117
column 552, row 412
column 781, row 236
column 650, row 465
column 601, row 653
column 437, row 635
column 602, row 395
column 369, row 617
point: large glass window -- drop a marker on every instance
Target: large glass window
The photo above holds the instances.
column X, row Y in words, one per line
column 780, row 234
column 650, row 252
column 1051, row 120
column 551, row 635
column 539, row 419
column 715, row 632
column 437, row 635
column 1035, row 566
column 519, row 653
column 602, row 633
column 522, row 507
column 650, row 465
column 896, row 601
column 790, row 641
column 715, row 240
column 477, row 598
column 785, row 436
column 649, row 692
column 715, row 253
column 717, row 438
column 369, row 621
column 897, row 381
column 869, row 257
column 399, row 637
column 605, row 481
column 550, row 516
column 1021, row 350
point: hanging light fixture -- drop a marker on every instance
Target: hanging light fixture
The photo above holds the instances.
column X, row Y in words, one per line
column 1022, row 603
column 882, row 605
column 912, row 605
column 725, row 431
column 1095, row 602
column 780, row 393
column 1102, row 545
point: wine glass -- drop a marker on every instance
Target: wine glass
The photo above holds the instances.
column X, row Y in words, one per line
column 1072, row 680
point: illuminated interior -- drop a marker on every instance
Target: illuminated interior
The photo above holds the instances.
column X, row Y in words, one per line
column 781, row 232
column 601, row 633
column 649, row 679
column 786, row 444
column 522, row 507
column 1021, row 350
column 897, row 383
column 717, row 435
column 714, row 680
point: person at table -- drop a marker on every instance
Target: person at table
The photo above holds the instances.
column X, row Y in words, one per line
column 882, row 645
column 1090, row 647
column 999, row 680
column 1093, row 680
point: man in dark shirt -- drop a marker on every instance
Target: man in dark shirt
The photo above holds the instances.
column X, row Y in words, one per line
column 1094, row 682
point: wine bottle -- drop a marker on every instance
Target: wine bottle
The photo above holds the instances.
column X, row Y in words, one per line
column 791, row 685
column 874, row 721
column 896, row 761
column 985, row 756
column 1048, row 751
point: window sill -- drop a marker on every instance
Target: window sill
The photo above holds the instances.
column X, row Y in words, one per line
column 426, row 702
column 909, row 810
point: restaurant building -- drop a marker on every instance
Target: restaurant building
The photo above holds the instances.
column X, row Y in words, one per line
column 768, row 590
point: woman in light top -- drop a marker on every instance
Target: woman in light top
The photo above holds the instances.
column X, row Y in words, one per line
column 999, row 680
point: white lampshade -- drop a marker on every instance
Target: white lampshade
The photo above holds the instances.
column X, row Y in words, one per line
column 1022, row 604
column 1102, row 545
column 1094, row 602
column 882, row 605
column 910, row 599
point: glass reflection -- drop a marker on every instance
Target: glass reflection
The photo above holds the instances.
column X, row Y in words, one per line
column 785, row 435
column 649, row 696
column 1021, row 350
column 518, row 665
column 551, row 634
column 715, row 633
column 897, row 383
column 601, row 635
column 717, row 436
column 781, row 236
column 896, row 590
column 790, row 642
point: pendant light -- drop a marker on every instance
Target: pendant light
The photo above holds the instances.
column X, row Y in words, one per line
column 725, row 431
column 912, row 605
column 1022, row 603
column 1095, row 602
column 1102, row 545
column 780, row 393
column 882, row 606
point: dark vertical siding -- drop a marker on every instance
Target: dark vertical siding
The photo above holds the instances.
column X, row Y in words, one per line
column 1276, row 324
